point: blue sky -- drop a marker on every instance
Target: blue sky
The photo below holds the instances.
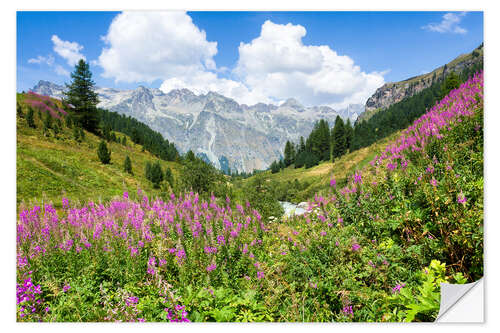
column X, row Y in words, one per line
column 386, row 46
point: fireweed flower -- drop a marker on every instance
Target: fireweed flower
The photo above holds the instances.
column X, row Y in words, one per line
column 355, row 247
column 66, row 288
column 461, row 198
column 333, row 183
column 433, row 182
column 211, row 267
column 347, row 310
column 398, row 287
column 260, row 275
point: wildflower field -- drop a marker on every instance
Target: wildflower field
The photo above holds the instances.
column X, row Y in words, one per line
column 376, row 249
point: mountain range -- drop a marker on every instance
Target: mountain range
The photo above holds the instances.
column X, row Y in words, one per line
column 215, row 127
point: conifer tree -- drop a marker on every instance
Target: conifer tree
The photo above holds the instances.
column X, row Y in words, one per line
column 349, row 135
column 19, row 111
column 338, row 138
column 156, row 174
column 103, row 153
column 80, row 93
column 29, row 118
column 127, row 165
column 169, row 177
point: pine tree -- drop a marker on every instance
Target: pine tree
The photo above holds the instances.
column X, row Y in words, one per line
column 349, row 135
column 82, row 133
column 302, row 145
column 127, row 165
column 169, row 177
column 19, row 111
column 29, row 118
column 156, row 174
column 338, row 138
column 124, row 140
column 81, row 95
column 190, row 156
column 103, row 153
column 147, row 171
column 288, row 154
column 275, row 167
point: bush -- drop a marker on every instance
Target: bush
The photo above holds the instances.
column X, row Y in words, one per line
column 104, row 153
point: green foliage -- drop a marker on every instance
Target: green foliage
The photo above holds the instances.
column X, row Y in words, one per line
column 198, row 176
column 80, row 93
column 29, row 118
column 169, row 177
column 127, row 165
column 339, row 141
column 104, row 153
column 154, row 173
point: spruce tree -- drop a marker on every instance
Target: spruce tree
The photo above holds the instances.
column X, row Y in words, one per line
column 338, row 138
column 156, row 174
column 80, row 93
column 127, row 165
column 19, row 111
column 29, row 118
column 147, row 170
column 169, row 177
column 349, row 135
column 103, row 153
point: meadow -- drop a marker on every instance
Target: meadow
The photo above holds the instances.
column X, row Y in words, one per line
column 372, row 248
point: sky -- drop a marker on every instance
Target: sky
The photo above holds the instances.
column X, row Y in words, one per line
column 319, row 58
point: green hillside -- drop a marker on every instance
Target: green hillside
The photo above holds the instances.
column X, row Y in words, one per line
column 317, row 179
column 53, row 163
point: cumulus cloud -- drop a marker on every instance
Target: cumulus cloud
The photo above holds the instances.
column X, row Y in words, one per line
column 279, row 64
column 70, row 51
column 450, row 23
column 147, row 46
column 49, row 60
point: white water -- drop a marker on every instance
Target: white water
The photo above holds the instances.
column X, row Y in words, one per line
column 291, row 209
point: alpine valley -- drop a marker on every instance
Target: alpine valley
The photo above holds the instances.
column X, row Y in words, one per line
column 214, row 127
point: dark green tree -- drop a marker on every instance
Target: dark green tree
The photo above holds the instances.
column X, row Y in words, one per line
column 190, row 156
column 169, row 177
column 127, row 165
column 275, row 167
column 29, row 118
column 80, row 93
column 338, row 138
column 156, row 174
column 103, row 153
column 199, row 176
column 19, row 110
column 349, row 134
column 451, row 82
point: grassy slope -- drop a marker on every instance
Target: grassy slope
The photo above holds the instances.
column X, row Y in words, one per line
column 49, row 167
column 319, row 176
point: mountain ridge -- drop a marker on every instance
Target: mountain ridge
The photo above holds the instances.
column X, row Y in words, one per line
column 249, row 137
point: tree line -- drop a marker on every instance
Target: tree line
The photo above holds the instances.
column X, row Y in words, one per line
column 325, row 144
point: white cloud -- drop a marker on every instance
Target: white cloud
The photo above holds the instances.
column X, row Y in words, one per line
column 278, row 64
column 146, row 46
column 450, row 23
column 49, row 60
column 272, row 67
column 70, row 51
column 61, row 71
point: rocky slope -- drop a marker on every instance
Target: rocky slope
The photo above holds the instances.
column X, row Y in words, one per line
column 215, row 127
column 394, row 92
